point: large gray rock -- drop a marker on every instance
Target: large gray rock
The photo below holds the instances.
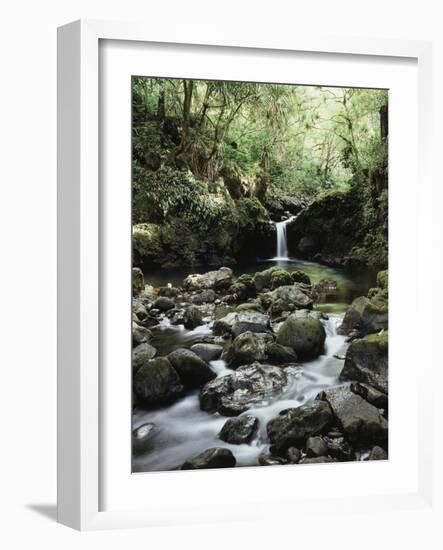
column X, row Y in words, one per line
column 192, row 369
column 366, row 315
column 305, row 336
column 249, row 386
column 371, row 395
column 163, row 303
column 211, row 458
column 360, row 421
column 239, row 430
column 207, row 296
column 140, row 334
column 221, row 279
column 249, row 347
column 192, row 317
column 367, row 361
column 292, row 427
column 242, row 321
column 141, row 354
column 291, row 297
column 207, row 352
column 157, row 383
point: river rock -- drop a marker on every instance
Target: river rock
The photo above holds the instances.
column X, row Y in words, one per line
column 220, row 279
column 279, row 278
column 248, row 282
column 292, row 297
column 378, row 453
column 139, row 309
column 192, row 317
column 163, row 303
column 305, row 336
column 138, row 282
column 292, row 427
column 141, row 354
column 280, row 355
column 242, row 321
column 142, row 437
column 366, row 315
column 207, row 296
column 207, row 352
column 239, row 430
column 338, row 448
column 249, row 386
column 299, row 276
column 367, row 361
column 248, row 347
column 157, row 383
column 371, row 395
column 316, row 446
column 140, row 334
column 169, row 291
column 211, row 458
column 262, row 279
column 360, row 421
column 192, row 369
column 293, row 455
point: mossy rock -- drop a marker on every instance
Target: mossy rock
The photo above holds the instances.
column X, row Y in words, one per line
column 382, row 279
column 280, row 277
column 299, row 276
column 368, row 315
column 306, row 336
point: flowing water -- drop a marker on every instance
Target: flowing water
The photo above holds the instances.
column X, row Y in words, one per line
column 183, row 430
column 282, row 243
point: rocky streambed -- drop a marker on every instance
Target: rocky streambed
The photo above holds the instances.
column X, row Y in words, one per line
column 254, row 370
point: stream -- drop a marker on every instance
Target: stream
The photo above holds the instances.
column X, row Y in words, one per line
column 182, row 429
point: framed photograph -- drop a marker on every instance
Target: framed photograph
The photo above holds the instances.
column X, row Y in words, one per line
column 239, row 226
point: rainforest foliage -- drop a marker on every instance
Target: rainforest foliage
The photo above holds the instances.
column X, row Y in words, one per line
column 229, row 156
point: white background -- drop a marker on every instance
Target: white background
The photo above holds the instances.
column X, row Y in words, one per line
column 28, row 271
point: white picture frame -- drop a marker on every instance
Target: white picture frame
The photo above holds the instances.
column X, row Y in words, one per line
column 82, row 395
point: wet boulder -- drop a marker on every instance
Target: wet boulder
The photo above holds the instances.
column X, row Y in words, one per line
column 262, row 279
column 140, row 334
column 367, row 361
column 211, row 458
column 238, row 322
column 248, row 282
column 365, row 315
column 316, row 446
column 207, row 296
column 239, row 430
column 360, row 421
column 157, row 383
column 142, row 437
column 280, row 355
column 292, row 427
column 207, row 352
column 193, row 371
column 163, row 303
column 292, row 297
column 248, row 347
column 280, row 277
column 221, row 279
column 306, row 336
column 338, row 447
column 249, row 386
column 299, row 276
column 371, row 395
column 142, row 353
column 192, row 317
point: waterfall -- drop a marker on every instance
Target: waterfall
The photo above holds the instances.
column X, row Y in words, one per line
column 282, row 242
